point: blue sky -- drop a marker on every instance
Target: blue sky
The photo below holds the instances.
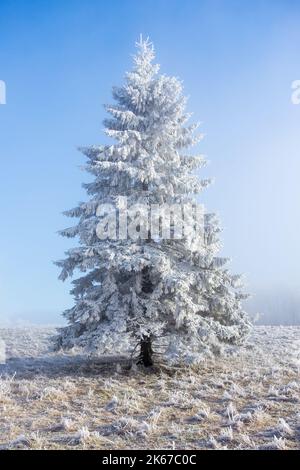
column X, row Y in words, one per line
column 59, row 60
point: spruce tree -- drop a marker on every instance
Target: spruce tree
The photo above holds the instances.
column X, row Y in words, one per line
column 172, row 294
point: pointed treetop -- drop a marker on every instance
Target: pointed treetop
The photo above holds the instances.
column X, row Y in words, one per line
column 145, row 54
column 144, row 45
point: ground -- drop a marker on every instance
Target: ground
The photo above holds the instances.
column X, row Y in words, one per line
column 56, row 401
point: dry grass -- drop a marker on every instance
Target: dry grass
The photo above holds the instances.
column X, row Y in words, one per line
column 55, row 401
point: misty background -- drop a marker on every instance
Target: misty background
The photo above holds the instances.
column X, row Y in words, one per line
column 59, row 61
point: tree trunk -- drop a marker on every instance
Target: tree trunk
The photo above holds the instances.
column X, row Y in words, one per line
column 146, row 352
column 147, row 286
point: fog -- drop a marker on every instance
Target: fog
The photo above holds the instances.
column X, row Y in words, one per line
column 275, row 307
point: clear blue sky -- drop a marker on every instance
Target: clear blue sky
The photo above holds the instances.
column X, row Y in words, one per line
column 59, row 60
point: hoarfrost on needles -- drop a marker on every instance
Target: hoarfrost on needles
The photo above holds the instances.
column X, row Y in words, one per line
column 184, row 299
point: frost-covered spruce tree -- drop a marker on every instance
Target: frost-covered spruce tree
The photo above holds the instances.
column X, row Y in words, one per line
column 138, row 289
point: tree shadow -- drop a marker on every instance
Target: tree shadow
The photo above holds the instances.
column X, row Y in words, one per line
column 60, row 365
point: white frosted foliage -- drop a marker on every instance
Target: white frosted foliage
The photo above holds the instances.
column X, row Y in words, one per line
column 194, row 304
